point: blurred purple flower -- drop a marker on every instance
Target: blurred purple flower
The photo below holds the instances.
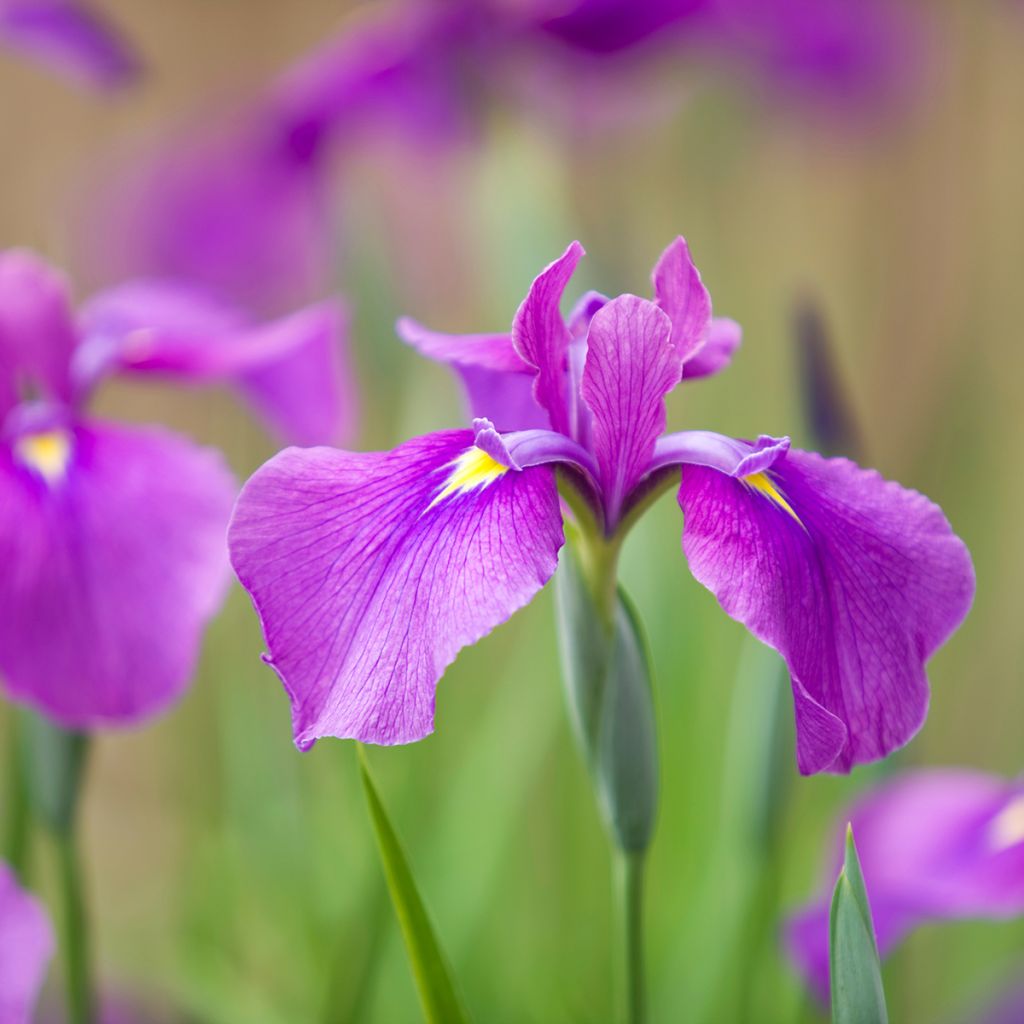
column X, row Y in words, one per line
column 112, row 537
column 68, row 38
column 371, row 571
column 26, row 945
column 840, row 49
column 243, row 205
column 933, row 844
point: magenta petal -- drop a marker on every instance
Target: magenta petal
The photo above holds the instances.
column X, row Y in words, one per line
column 292, row 370
column 68, row 38
column 369, row 580
column 856, row 595
column 542, row 339
column 26, row 946
column 631, row 365
column 724, row 337
column 505, row 398
column 227, row 208
column 112, row 569
column 679, row 292
column 940, row 843
column 37, row 332
column 295, row 373
column 488, row 351
column 498, row 383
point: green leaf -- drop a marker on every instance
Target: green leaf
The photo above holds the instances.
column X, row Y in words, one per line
column 438, row 996
column 856, row 974
column 607, row 681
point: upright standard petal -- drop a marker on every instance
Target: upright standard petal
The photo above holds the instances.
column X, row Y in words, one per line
column 292, row 370
column 26, row 946
column 542, row 339
column 939, row 843
column 854, row 580
column 497, row 381
column 371, row 571
column 112, row 541
column 678, row 290
column 69, row 38
column 37, row 332
column 631, row 364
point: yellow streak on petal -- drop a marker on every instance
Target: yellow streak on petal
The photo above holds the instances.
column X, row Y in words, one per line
column 47, row 452
column 1007, row 827
column 471, row 470
column 764, row 483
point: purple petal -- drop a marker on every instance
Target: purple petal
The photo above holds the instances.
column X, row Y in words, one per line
column 631, row 365
column 487, row 351
column 37, row 333
column 583, row 312
column 26, row 946
column 370, row 574
column 297, row 375
column 854, row 580
column 68, row 38
column 114, row 561
column 717, row 451
column 724, row 337
column 395, row 67
column 292, row 370
column 497, row 382
column 608, row 26
column 505, row 398
column 542, row 339
column 228, row 208
column 940, row 843
column 678, row 290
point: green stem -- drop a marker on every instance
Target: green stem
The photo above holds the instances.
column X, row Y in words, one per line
column 77, row 968
column 16, row 805
column 55, row 765
column 629, row 878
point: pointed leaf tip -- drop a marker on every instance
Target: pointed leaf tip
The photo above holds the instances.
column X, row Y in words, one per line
column 856, row 977
column 435, row 985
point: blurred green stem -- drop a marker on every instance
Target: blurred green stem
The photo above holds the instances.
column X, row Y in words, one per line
column 77, row 967
column 16, row 806
column 629, row 879
column 54, row 762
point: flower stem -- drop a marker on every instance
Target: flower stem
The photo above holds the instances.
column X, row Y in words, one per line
column 16, row 807
column 55, row 764
column 629, row 884
column 77, row 967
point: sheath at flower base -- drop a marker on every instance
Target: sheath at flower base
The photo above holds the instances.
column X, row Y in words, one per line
column 112, row 536
column 70, row 39
column 371, row 571
column 934, row 844
column 26, row 946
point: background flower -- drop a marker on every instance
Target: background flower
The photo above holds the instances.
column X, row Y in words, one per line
column 26, row 945
column 933, row 844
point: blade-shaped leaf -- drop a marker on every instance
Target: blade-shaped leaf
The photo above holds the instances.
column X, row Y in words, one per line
column 431, row 971
column 856, row 974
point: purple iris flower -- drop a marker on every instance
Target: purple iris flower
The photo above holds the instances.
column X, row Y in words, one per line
column 371, row 571
column 111, row 536
column 26, row 945
column 839, row 48
column 934, row 844
column 68, row 38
